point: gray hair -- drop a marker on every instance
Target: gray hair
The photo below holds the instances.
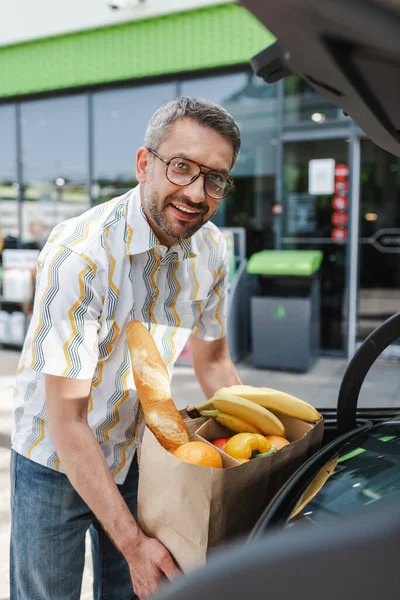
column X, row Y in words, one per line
column 204, row 112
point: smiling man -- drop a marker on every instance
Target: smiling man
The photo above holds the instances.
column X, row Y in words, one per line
column 153, row 255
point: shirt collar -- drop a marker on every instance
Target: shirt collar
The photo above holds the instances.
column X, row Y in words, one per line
column 139, row 236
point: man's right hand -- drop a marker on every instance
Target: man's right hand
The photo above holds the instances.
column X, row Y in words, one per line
column 150, row 563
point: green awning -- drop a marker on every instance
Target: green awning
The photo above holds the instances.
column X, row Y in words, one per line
column 205, row 38
column 285, row 262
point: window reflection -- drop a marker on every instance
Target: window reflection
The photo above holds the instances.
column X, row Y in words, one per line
column 55, row 164
column 9, row 228
column 120, row 120
column 253, row 105
column 302, row 103
column 367, row 471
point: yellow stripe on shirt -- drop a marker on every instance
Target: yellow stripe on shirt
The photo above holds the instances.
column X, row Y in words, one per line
column 73, row 322
column 37, row 442
column 218, row 293
column 96, row 384
column 177, row 318
column 213, row 240
column 54, row 237
column 86, row 229
column 196, row 283
column 128, row 443
column 118, row 404
column 91, row 264
column 152, row 315
column 112, row 264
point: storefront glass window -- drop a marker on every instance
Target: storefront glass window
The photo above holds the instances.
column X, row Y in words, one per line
column 379, row 258
column 120, row 120
column 303, row 104
column 253, row 105
column 9, row 228
column 315, row 217
column 55, row 164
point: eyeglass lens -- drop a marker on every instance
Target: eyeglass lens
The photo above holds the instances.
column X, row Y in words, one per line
column 182, row 172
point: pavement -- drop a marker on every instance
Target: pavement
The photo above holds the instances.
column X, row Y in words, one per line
column 320, row 387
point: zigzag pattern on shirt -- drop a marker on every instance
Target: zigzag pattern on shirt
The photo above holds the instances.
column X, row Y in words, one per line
column 195, row 286
column 153, row 242
column 133, row 310
column 185, row 244
column 76, row 316
column 212, row 246
column 120, row 394
column 53, row 462
column 120, row 451
column 37, row 434
column 149, row 272
column 173, row 319
column 19, row 413
column 82, row 229
column 45, row 323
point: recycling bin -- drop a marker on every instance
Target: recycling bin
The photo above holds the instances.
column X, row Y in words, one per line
column 285, row 308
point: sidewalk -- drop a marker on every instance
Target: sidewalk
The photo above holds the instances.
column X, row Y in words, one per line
column 319, row 387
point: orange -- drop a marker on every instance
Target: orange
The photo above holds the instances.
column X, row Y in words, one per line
column 277, row 441
column 199, row 453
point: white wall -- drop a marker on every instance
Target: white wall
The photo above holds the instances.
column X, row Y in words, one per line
column 22, row 20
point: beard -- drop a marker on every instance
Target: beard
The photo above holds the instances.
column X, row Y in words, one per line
column 181, row 229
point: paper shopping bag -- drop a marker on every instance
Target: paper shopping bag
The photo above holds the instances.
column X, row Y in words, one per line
column 192, row 509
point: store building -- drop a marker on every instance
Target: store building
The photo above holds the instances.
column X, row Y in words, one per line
column 77, row 90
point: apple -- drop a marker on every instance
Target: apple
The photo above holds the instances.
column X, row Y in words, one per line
column 221, row 442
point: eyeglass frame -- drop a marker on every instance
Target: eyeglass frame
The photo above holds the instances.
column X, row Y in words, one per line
column 201, row 172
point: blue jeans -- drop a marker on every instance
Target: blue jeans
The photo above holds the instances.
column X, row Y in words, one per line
column 49, row 521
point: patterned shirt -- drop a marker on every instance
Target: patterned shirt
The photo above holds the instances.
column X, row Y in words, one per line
column 96, row 273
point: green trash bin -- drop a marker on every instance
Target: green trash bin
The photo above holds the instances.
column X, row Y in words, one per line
column 285, row 308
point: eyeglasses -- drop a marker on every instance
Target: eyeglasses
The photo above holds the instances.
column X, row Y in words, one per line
column 182, row 171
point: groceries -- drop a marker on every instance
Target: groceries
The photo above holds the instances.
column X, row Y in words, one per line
column 246, row 410
column 277, row 441
column 221, row 442
column 240, row 409
column 199, row 453
column 185, row 499
column 153, row 387
column 275, row 400
column 255, row 415
column 193, row 509
column 245, row 446
column 230, row 422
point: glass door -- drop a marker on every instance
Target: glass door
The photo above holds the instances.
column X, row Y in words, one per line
column 379, row 250
column 315, row 216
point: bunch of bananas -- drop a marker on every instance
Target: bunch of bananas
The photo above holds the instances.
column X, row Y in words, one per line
column 247, row 409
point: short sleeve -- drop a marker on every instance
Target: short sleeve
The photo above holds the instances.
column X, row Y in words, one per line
column 64, row 324
column 212, row 322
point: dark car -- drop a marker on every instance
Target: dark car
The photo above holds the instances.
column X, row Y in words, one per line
column 333, row 530
column 358, row 470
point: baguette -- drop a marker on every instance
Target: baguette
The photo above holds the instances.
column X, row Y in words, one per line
column 153, row 388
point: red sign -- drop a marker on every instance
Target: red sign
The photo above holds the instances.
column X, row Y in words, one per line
column 340, row 203
column 341, row 171
column 339, row 219
column 339, row 234
column 341, row 188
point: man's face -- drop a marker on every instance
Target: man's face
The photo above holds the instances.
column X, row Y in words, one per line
column 163, row 201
